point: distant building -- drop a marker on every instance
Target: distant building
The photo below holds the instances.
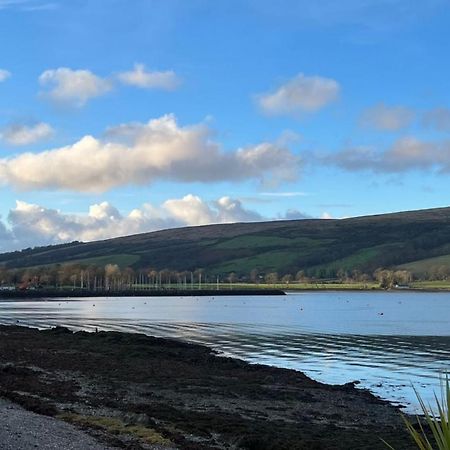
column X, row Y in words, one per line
column 402, row 286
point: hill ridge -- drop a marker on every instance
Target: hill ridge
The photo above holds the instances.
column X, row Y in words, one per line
column 320, row 247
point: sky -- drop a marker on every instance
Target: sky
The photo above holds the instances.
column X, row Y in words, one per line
column 119, row 117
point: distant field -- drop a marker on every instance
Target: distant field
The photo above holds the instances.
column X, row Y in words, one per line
column 435, row 284
column 357, row 259
column 297, row 286
column 271, row 261
column 425, row 265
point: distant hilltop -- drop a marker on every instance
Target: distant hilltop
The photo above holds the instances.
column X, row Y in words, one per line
column 417, row 242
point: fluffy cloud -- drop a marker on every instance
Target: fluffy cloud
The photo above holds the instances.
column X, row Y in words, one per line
column 141, row 78
column 19, row 134
column 404, row 155
column 4, row 75
column 143, row 153
column 69, row 87
column 32, row 225
column 299, row 95
column 191, row 210
column 438, row 118
column 387, row 118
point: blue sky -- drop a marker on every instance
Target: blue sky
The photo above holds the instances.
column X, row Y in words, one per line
column 202, row 112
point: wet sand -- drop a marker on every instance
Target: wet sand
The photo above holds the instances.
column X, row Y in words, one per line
column 135, row 391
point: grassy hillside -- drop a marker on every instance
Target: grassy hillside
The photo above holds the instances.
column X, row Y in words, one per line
column 320, row 247
column 427, row 265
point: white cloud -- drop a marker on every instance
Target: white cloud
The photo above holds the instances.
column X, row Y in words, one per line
column 387, row 118
column 4, row 75
column 141, row 78
column 326, row 216
column 298, row 95
column 72, row 87
column 143, row 153
column 191, row 210
column 231, row 210
column 32, row 225
column 19, row 134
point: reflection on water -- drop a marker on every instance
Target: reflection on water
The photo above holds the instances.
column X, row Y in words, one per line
column 384, row 340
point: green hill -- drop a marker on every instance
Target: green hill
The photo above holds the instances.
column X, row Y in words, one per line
column 319, row 247
column 428, row 265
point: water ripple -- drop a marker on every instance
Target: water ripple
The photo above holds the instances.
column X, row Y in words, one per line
column 328, row 340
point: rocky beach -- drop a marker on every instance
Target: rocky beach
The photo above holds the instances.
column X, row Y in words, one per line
column 139, row 392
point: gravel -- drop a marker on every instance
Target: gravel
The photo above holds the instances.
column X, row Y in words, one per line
column 25, row 430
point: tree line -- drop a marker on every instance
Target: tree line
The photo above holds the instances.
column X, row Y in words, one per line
column 112, row 277
column 96, row 277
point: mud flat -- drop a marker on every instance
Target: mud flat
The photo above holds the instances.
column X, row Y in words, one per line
column 135, row 391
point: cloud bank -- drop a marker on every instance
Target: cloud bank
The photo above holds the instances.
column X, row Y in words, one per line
column 31, row 224
column 299, row 95
column 140, row 154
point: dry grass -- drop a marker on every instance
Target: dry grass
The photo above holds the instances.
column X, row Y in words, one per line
column 116, row 426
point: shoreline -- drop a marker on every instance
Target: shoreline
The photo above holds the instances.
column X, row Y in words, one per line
column 132, row 388
column 82, row 293
column 261, row 291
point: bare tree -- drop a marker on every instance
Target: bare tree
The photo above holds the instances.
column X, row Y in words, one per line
column 271, row 278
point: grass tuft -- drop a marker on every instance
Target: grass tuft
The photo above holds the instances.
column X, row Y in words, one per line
column 438, row 421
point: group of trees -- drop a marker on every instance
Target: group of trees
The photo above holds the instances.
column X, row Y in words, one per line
column 112, row 277
column 386, row 278
column 438, row 272
column 108, row 277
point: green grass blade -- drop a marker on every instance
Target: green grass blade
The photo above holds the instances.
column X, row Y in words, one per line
column 438, row 423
